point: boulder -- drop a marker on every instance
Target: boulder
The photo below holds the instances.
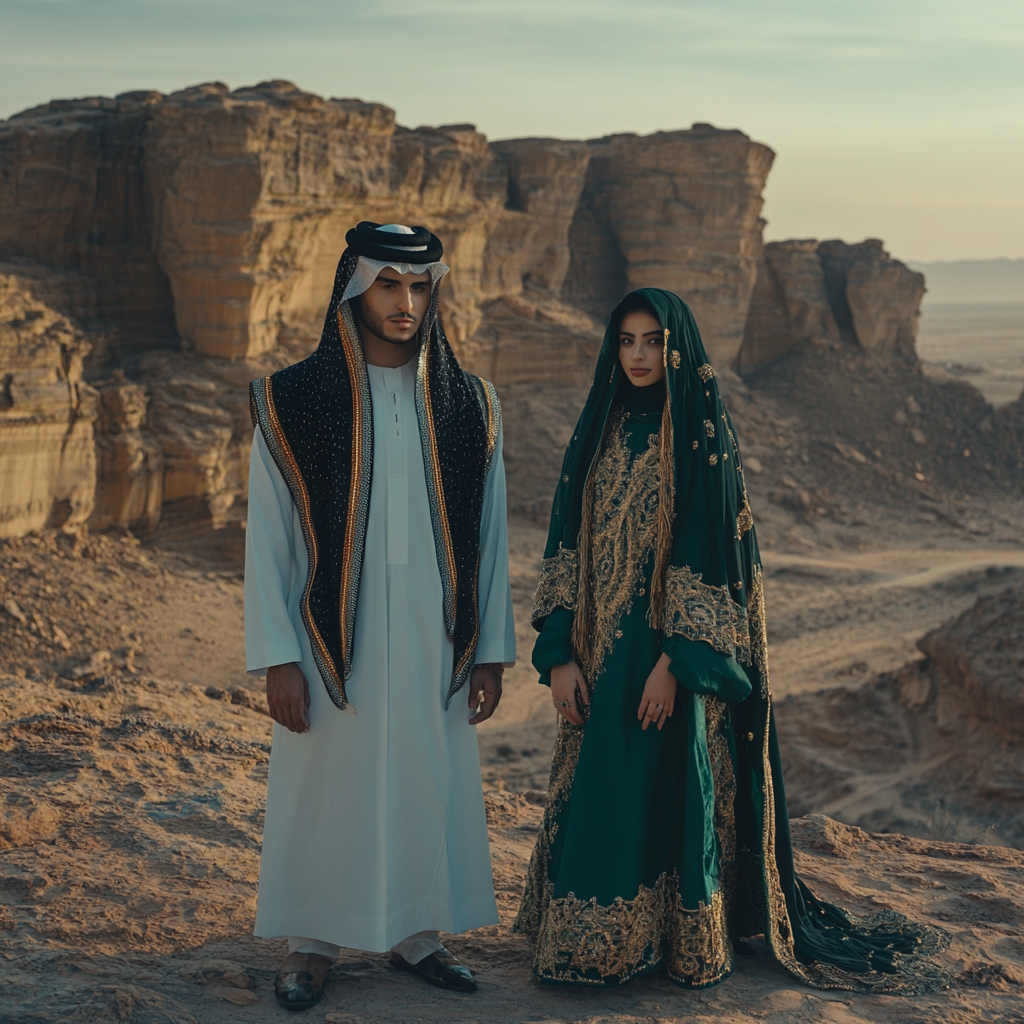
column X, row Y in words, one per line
column 827, row 293
column 977, row 662
column 883, row 296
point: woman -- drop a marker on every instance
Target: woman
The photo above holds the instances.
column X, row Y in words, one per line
column 665, row 837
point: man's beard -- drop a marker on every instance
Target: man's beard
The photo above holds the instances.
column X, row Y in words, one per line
column 375, row 325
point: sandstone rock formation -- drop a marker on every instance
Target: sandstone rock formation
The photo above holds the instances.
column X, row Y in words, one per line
column 130, row 462
column 827, row 293
column 47, row 411
column 218, row 217
column 975, row 669
column 190, row 241
column 677, row 210
column 933, row 749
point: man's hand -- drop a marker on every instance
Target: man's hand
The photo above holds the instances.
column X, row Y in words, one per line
column 288, row 696
column 658, row 700
column 484, row 691
column 566, row 682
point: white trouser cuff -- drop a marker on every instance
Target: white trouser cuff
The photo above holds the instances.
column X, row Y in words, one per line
column 297, row 944
column 418, row 946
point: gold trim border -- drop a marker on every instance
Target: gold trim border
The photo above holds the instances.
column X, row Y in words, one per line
column 267, row 418
column 435, row 489
column 359, row 482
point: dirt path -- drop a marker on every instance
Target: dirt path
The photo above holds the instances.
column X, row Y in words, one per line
column 837, row 617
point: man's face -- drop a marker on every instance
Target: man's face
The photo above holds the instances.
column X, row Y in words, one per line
column 393, row 307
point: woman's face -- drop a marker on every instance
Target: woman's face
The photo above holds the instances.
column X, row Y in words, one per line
column 642, row 348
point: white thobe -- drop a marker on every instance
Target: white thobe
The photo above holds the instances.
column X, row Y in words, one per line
column 375, row 826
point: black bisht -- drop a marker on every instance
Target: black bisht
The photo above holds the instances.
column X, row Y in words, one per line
column 317, row 420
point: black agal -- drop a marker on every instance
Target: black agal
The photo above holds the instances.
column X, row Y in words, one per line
column 422, row 246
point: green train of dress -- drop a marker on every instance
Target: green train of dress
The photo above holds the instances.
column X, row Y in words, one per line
column 661, row 849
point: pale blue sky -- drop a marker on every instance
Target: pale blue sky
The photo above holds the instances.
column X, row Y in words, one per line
column 901, row 120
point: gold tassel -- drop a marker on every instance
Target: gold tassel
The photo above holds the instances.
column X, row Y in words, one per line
column 666, row 499
column 583, row 620
column 666, row 508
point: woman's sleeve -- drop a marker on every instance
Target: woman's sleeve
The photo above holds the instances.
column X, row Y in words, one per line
column 701, row 669
column 270, row 637
column 554, row 645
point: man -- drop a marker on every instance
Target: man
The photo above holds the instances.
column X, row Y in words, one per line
column 377, row 582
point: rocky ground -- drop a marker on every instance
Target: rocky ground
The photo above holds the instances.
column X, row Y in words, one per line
column 134, row 752
column 130, row 856
column 134, row 748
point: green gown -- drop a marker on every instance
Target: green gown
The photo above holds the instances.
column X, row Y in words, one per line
column 659, row 849
column 627, row 892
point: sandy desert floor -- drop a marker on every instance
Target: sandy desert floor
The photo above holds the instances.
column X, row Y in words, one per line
column 134, row 752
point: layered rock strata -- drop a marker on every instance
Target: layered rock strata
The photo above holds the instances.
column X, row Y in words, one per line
column 129, row 460
column 47, row 412
column 677, row 210
column 975, row 669
column 217, row 217
column 827, row 293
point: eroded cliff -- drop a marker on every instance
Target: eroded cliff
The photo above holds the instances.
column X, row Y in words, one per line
column 189, row 242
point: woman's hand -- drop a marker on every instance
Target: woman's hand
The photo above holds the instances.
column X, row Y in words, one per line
column 566, row 681
column 659, row 697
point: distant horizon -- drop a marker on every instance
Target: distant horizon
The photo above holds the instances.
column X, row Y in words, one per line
column 900, row 122
column 994, row 281
column 987, row 259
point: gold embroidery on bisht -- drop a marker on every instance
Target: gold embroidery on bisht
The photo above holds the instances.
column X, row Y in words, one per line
column 583, row 942
column 709, row 428
column 713, row 459
column 558, row 583
column 676, row 359
column 706, row 372
column 745, row 519
column 621, row 532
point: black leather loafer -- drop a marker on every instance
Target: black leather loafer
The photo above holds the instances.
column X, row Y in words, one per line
column 441, row 969
column 300, row 982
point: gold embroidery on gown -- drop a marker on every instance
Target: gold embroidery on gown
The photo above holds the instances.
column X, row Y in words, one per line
column 621, row 531
column 578, row 939
column 558, row 583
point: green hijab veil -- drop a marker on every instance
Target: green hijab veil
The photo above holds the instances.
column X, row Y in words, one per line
column 707, row 587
